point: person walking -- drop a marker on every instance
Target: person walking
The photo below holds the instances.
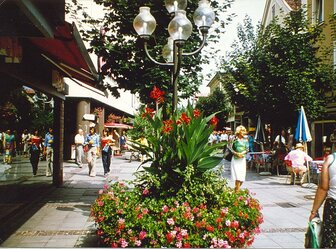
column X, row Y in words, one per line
column 92, row 140
column 239, row 147
column 326, row 192
column 123, row 141
column 35, row 142
column 48, row 151
column 25, row 138
column 106, row 142
column 79, row 143
column 10, row 146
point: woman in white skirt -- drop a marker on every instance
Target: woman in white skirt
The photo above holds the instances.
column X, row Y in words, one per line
column 240, row 147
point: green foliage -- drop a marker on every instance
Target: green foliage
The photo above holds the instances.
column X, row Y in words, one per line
column 218, row 102
column 139, row 126
column 124, row 56
column 276, row 71
column 208, row 215
column 174, row 145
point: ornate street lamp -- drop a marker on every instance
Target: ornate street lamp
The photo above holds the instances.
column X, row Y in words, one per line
column 179, row 29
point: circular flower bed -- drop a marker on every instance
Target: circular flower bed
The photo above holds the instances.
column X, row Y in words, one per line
column 178, row 200
column 205, row 215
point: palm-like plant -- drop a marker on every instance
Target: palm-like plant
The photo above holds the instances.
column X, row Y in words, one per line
column 177, row 150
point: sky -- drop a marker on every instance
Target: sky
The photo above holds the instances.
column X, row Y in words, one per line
column 252, row 8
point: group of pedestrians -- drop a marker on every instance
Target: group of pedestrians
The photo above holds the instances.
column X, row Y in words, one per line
column 32, row 146
column 90, row 147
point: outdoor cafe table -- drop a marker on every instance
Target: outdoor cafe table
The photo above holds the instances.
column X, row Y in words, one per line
column 260, row 159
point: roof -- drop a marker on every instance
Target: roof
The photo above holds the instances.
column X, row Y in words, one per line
column 294, row 4
column 67, row 53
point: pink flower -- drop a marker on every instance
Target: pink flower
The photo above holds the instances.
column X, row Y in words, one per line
column 106, row 186
column 223, row 243
column 145, row 211
column 137, row 243
column 179, row 237
column 224, row 211
column 184, row 232
column 124, row 243
column 145, row 191
column 121, row 221
column 101, row 191
column 227, row 223
column 178, row 244
column 142, row 235
column 165, row 208
column 170, row 221
column 100, row 203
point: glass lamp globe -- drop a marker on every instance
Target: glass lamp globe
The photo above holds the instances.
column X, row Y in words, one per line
column 168, row 50
column 204, row 15
column 174, row 5
column 180, row 27
column 144, row 23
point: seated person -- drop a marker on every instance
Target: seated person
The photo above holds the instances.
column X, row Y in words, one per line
column 298, row 158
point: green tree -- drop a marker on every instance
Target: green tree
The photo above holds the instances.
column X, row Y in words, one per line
column 219, row 102
column 124, row 56
column 276, row 71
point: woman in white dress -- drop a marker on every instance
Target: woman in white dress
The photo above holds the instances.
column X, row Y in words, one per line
column 240, row 147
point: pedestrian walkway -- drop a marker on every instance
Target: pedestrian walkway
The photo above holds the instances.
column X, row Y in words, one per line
column 33, row 213
column 286, row 209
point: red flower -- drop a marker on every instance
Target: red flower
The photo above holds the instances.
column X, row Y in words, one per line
column 142, row 235
column 157, row 94
column 186, row 245
column 167, row 126
column 169, row 237
column 197, row 113
column 219, row 220
column 185, row 119
column 148, row 112
column 210, row 228
column 214, row 121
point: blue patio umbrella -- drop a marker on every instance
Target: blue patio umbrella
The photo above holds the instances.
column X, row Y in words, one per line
column 302, row 132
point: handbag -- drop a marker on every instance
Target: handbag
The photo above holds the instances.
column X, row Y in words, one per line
column 86, row 148
column 228, row 154
column 106, row 148
column 313, row 236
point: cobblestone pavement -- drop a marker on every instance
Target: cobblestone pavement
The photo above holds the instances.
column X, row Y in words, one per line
column 33, row 213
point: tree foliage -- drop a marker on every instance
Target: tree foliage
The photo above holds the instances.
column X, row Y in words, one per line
column 217, row 102
column 123, row 54
column 276, row 70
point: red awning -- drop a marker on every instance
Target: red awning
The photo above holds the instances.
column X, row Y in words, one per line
column 117, row 125
column 67, row 52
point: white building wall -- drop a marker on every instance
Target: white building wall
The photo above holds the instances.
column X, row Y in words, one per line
column 127, row 102
column 274, row 8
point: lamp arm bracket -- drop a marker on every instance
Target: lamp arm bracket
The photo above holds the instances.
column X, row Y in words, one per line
column 153, row 60
column 198, row 49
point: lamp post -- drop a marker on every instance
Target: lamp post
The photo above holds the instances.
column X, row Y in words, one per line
column 179, row 29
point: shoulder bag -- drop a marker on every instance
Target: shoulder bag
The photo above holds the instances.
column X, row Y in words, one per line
column 313, row 236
